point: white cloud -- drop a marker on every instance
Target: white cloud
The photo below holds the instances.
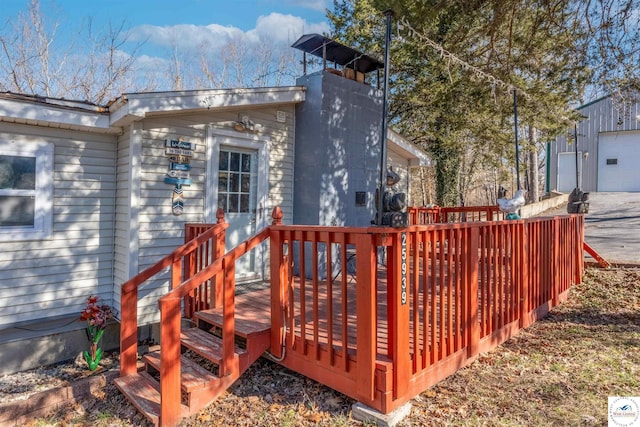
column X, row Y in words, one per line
column 185, row 36
column 275, row 27
column 284, row 28
column 218, row 45
column 320, row 5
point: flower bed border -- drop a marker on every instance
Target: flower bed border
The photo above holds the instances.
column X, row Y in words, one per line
column 20, row 412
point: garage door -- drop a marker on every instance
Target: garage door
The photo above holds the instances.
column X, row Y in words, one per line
column 619, row 161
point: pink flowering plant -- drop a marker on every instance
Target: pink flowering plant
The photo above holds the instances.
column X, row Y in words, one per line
column 96, row 315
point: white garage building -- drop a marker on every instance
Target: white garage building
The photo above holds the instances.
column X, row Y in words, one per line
column 608, row 150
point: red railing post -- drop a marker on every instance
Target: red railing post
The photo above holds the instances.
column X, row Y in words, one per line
column 176, row 272
column 228, row 314
column 366, row 335
column 279, row 279
column 399, row 313
column 128, row 331
column 189, row 270
column 525, row 248
column 170, row 394
column 556, row 264
column 215, row 295
column 471, row 247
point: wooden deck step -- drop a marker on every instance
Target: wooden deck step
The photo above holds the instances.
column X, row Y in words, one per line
column 192, row 375
column 243, row 327
column 144, row 393
column 206, row 345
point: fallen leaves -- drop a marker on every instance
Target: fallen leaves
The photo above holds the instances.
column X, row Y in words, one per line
column 557, row 372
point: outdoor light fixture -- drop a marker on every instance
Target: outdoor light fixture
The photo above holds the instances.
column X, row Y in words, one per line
column 245, row 124
column 585, row 155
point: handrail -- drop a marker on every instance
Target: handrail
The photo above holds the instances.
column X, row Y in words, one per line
column 129, row 294
column 182, row 251
column 170, row 322
column 420, row 215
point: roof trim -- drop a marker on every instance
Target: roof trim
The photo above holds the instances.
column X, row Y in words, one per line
column 595, row 101
column 135, row 106
column 53, row 111
column 415, row 155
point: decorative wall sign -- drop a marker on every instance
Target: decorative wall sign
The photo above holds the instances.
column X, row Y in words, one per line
column 179, row 166
column 180, row 144
column 177, row 181
column 179, row 159
column 177, row 200
column 178, row 174
column 179, row 154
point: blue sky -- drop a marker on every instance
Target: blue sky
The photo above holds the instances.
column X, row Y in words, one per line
column 152, row 20
column 157, row 29
column 241, row 14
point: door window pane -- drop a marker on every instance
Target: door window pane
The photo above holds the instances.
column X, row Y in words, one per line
column 244, row 203
column 234, row 164
column 246, row 163
column 222, row 201
column 223, row 181
column 233, row 203
column 245, row 186
column 234, row 182
column 223, row 163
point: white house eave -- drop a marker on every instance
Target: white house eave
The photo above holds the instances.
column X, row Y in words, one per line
column 58, row 115
column 410, row 151
column 135, row 106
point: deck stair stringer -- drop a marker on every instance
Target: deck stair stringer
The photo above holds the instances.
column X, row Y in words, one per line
column 200, row 386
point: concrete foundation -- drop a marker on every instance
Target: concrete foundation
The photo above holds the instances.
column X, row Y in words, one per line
column 41, row 343
column 369, row 415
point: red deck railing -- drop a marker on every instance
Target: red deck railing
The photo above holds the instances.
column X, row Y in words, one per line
column 180, row 264
column 437, row 214
column 424, row 302
column 379, row 314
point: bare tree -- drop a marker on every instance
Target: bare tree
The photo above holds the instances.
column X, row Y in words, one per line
column 35, row 61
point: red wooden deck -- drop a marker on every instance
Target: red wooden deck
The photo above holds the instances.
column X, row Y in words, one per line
column 379, row 314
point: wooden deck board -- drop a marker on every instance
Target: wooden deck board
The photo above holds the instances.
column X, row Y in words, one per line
column 205, row 344
column 192, row 375
column 254, row 306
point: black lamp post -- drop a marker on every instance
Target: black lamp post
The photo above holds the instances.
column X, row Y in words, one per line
column 383, row 136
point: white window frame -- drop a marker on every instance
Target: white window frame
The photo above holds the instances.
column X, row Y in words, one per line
column 43, row 212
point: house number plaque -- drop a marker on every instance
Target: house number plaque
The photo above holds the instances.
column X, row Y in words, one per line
column 403, row 268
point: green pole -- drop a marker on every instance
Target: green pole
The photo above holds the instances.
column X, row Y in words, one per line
column 548, row 170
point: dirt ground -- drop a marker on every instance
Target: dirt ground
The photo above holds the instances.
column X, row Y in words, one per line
column 558, row 372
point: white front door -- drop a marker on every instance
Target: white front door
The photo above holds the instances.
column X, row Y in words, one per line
column 237, row 182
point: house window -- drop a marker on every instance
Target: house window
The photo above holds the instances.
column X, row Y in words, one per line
column 26, row 172
column 236, row 181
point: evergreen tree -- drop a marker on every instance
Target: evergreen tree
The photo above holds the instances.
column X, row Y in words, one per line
column 452, row 80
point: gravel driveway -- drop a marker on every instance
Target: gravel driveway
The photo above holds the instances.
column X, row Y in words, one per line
column 612, row 226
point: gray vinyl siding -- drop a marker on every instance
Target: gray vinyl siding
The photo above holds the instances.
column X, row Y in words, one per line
column 122, row 223
column 159, row 231
column 599, row 117
column 49, row 278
